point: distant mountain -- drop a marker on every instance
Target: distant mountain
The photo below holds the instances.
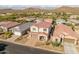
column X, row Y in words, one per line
column 6, row 10
column 73, row 10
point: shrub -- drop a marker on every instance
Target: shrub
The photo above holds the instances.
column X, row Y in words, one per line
column 7, row 34
column 56, row 43
column 47, row 42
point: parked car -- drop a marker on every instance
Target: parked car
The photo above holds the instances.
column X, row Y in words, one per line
column 2, row 46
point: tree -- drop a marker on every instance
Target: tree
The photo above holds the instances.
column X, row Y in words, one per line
column 65, row 17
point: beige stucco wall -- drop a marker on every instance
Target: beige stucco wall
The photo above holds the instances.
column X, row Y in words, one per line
column 39, row 29
column 68, row 37
column 37, row 34
column 31, row 29
column 42, row 35
column 42, row 30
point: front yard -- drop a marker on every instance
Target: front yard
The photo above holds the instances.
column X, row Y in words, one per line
column 28, row 41
column 49, row 47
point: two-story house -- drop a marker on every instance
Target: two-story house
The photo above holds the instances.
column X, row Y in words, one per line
column 41, row 30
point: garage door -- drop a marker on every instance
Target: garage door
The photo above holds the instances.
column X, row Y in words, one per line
column 17, row 33
column 69, row 40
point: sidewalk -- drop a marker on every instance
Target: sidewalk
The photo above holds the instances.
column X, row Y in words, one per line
column 70, row 48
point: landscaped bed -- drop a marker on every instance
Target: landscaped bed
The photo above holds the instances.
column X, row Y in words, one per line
column 22, row 39
column 50, row 47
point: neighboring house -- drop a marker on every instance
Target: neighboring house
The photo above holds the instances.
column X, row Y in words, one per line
column 48, row 20
column 60, row 21
column 30, row 19
column 73, row 16
column 22, row 28
column 8, row 25
column 74, row 21
column 41, row 20
column 38, row 20
column 41, row 30
column 65, row 34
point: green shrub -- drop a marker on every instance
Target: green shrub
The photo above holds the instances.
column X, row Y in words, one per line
column 7, row 34
column 56, row 43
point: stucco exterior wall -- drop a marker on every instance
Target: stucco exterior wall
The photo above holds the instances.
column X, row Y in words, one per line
column 39, row 29
column 34, row 35
column 31, row 29
column 65, row 37
column 39, row 32
column 46, row 37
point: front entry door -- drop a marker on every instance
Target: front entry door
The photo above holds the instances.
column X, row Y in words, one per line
column 42, row 38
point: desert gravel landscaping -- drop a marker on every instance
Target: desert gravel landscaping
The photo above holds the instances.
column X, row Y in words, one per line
column 50, row 47
column 40, row 44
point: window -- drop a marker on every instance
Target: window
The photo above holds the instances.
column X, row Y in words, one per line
column 44, row 29
column 34, row 29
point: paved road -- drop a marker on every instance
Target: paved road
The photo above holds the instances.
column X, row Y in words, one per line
column 69, row 48
column 19, row 49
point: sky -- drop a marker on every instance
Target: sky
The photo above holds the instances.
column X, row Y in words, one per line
column 27, row 6
column 39, row 2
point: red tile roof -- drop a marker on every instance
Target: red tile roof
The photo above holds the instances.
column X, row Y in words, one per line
column 43, row 24
column 61, row 28
column 8, row 24
column 48, row 20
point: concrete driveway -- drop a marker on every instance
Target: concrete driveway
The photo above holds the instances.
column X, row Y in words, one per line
column 13, row 38
column 70, row 48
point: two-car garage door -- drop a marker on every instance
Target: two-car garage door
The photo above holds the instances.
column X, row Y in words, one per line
column 17, row 33
column 69, row 40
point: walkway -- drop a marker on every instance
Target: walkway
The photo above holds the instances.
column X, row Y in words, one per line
column 70, row 48
column 13, row 38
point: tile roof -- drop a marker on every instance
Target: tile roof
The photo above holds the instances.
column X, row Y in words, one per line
column 48, row 20
column 8, row 24
column 61, row 28
column 43, row 24
column 23, row 27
